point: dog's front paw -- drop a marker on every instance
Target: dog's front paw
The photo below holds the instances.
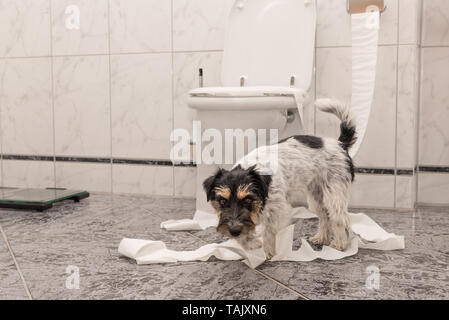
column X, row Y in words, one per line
column 340, row 244
column 269, row 251
column 319, row 239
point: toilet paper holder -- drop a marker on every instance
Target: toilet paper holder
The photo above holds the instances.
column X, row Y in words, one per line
column 360, row 6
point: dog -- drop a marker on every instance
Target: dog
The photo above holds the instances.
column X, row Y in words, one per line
column 252, row 206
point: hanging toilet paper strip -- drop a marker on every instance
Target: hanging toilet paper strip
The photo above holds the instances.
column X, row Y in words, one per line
column 365, row 39
column 368, row 235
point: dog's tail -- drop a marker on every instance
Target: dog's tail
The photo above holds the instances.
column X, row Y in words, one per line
column 347, row 126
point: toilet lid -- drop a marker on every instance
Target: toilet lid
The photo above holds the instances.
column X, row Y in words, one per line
column 251, row 91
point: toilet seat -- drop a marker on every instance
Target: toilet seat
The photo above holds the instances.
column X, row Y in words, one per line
column 246, row 98
column 252, row 91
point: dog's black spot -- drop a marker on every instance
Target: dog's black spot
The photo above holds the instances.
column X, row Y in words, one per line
column 310, row 141
column 350, row 166
column 347, row 135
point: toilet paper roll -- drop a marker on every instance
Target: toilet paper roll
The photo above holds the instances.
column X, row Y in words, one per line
column 367, row 235
column 365, row 39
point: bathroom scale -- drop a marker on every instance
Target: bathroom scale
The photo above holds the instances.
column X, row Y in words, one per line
column 37, row 199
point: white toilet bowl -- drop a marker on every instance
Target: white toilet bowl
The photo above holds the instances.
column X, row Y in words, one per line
column 266, row 70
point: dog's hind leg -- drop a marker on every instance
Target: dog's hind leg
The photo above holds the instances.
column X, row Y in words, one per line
column 336, row 203
column 314, row 200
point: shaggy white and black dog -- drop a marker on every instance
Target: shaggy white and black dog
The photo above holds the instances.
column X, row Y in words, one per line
column 252, row 207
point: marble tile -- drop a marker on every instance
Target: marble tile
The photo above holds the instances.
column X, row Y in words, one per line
column 26, row 106
column 413, row 273
column 434, row 113
column 79, row 27
column 185, row 181
column 435, row 23
column 142, row 179
column 11, row 286
column 373, row 191
column 28, row 174
column 86, row 235
column 410, row 21
column 334, row 23
column 186, row 67
column 200, row 24
column 433, row 188
column 86, row 176
column 425, row 237
column 334, row 80
column 407, row 108
column 25, row 26
column 405, row 192
column 82, row 108
column 140, row 26
column 141, row 88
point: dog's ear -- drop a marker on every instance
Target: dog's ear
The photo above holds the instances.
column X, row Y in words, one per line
column 209, row 183
column 262, row 181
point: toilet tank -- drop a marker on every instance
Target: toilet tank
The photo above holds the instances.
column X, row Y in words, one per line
column 268, row 42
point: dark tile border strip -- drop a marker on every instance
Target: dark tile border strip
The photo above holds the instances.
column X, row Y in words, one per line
column 27, row 157
column 405, row 172
column 151, row 162
column 433, row 169
column 169, row 163
column 82, row 159
column 382, row 171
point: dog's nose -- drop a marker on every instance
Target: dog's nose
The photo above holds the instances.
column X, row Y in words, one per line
column 235, row 231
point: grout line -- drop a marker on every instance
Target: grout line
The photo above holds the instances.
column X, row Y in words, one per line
column 52, row 93
column 282, row 285
column 315, row 67
column 396, row 113
column 110, row 95
column 25, row 286
column 263, row 274
column 1, row 146
column 172, row 90
column 419, row 102
column 109, row 53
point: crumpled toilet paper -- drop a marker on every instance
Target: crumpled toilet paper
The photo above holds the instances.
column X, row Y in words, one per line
column 367, row 235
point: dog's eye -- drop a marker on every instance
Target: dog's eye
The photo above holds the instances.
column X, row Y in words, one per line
column 222, row 201
column 248, row 200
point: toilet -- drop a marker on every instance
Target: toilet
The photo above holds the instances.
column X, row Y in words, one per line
column 266, row 74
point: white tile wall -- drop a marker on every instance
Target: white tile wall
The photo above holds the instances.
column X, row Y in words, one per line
column 410, row 21
column 140, row 25
column 82, row 108
column 405, row 192
column 139, row 179
column 94, row 177
column 24, row 28
column 435, row 23
column 185, row 181
column 407, row 107
column 373, row 191
column 199, row 24
column 433, row 188
column 141, row 102
column 26, row 106
column 28, row 174
column 434, row 128
column 92, row 35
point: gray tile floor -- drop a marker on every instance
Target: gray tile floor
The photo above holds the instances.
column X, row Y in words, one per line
column 86, row 235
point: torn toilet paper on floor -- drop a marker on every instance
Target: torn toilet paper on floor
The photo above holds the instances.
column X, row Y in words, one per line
column 368, row 235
